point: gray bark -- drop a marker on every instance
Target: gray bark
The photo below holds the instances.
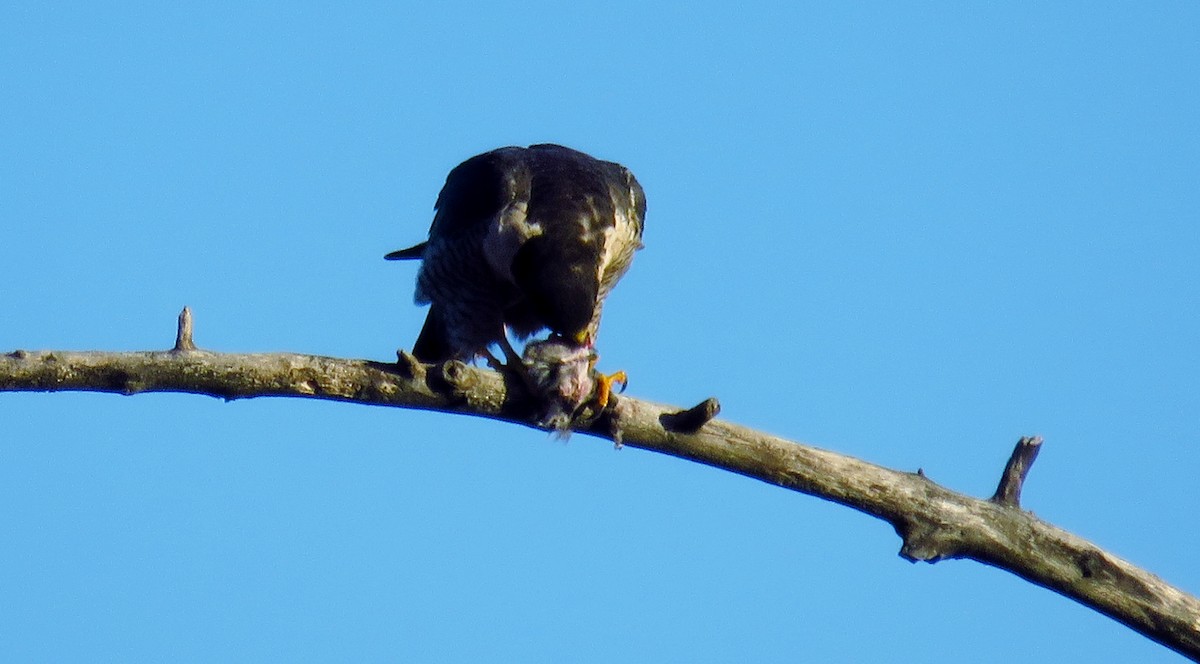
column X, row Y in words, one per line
column 933, row 522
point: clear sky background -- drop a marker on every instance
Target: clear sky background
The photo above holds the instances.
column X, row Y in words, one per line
column 908, row 233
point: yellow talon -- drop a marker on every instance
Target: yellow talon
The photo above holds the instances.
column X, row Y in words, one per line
column 604, row 386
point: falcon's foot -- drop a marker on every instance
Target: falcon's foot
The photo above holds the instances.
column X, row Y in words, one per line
column 515, row 365
column 604, row 386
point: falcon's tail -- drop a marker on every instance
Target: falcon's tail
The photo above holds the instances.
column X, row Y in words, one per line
column 432, row 344
column 411, row 253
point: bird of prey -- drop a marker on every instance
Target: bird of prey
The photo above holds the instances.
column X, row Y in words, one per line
column 524, row 239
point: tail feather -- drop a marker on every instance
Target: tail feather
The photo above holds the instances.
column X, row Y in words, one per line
column 413, row 252
column 432, row 343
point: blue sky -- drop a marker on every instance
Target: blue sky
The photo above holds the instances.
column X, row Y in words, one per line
column 906, row 233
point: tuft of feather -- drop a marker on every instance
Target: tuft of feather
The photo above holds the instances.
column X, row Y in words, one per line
column 564, row 377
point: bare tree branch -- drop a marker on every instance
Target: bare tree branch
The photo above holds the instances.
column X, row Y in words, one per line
column 934, row 522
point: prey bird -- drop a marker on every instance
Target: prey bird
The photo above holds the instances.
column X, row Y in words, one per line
column 525, row 240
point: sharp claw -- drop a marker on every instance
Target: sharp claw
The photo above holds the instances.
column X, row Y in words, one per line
column 604, row 388
column 622, row 378
column 510, row 353
column 492, row 362
column 513, row 365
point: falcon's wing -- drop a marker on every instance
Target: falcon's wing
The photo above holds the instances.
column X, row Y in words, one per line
column 564, row 271
column 475, row 191
column 466, row 262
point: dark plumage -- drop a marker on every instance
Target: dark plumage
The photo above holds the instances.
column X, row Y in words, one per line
column 524, row 238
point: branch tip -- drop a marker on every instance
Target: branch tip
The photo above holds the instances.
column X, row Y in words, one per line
column 1008, row 492
column 183, row 335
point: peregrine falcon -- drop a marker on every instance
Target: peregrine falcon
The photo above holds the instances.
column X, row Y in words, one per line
column 524, row 239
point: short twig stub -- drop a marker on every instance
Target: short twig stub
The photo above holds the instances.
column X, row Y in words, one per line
column 183, row 335
column 690, row 420
column 1009, row 491
column 409, row 365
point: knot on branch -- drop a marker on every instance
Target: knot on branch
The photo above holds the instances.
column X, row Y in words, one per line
column 1089, row 563
column 928, row 541
column 123, row 382
column 454, row 379
column 457, row 375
